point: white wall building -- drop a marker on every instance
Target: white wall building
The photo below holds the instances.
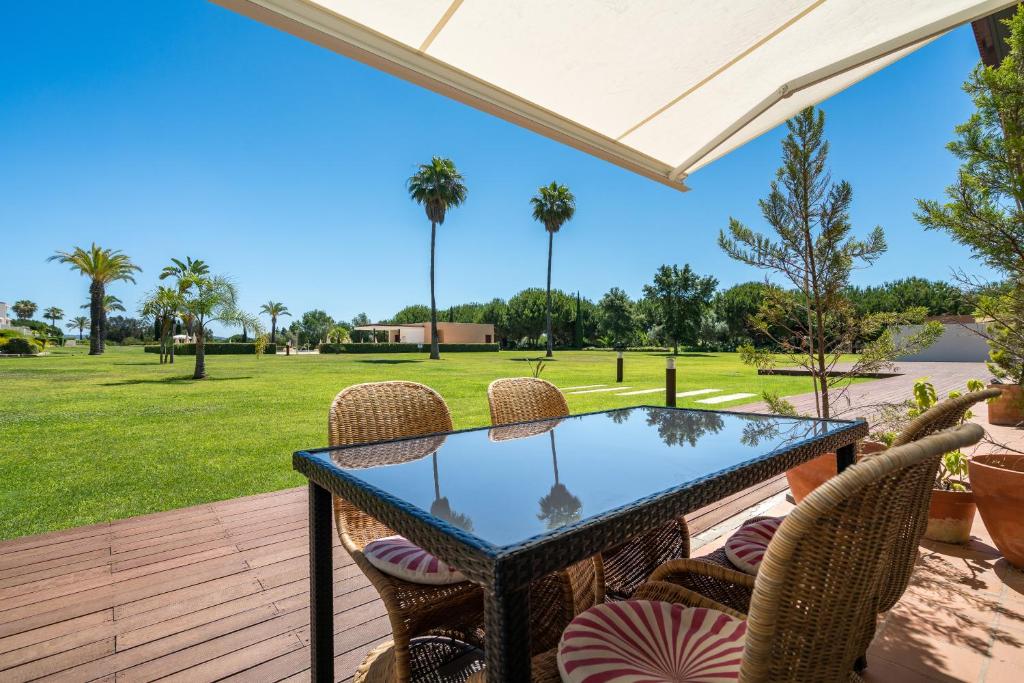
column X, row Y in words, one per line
column 5, row 320
column 959, row 343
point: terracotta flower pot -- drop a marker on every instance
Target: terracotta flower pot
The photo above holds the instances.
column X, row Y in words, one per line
column 1008, row 409
column 998, row 483
column 805, row 478
column 950, row 516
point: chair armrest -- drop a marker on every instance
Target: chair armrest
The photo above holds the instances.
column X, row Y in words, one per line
column 669, row 592
column 678, row 568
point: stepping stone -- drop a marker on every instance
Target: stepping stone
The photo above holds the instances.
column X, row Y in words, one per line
column 696, row 392
column 723, row 399
column 597, row 391
column 585, row 386
column 642, row 391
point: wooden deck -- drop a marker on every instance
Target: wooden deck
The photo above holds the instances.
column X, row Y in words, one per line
column 219, row 591
column 212, row 592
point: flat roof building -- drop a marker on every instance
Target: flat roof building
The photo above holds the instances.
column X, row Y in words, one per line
column 447, row 333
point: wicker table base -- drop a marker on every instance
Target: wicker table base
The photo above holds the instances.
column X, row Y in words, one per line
column 433, row 660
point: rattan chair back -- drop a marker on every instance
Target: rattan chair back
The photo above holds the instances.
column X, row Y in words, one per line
column 903, row 552
column 519, row 399
column 816, row 591
column 382, row 411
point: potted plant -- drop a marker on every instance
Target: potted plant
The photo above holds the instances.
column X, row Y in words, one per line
column 952, row 509
column 1006, row 353
column 805, row 478
column 998, row 480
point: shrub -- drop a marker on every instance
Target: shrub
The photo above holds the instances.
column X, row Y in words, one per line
column 215, row 349
column 19, row 346
column 403, row 348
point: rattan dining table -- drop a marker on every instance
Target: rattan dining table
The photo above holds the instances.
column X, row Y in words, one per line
column 523, row 500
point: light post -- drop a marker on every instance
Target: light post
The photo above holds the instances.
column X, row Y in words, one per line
column 670, row 382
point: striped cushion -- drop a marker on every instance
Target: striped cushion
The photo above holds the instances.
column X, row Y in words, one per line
column 642, row 641
column 399, row 557
column 745, row 548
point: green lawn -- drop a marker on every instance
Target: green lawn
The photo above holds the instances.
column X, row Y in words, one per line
column 91, row 439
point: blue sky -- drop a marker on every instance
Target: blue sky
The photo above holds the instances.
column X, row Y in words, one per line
column 180, row 128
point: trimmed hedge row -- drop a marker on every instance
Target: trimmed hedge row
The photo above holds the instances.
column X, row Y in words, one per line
column 393, row 347
column 215, row 348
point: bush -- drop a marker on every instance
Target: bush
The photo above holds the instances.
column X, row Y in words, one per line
column 215, row 349
column 648, row 349
column 403, row 348
column 19, row 346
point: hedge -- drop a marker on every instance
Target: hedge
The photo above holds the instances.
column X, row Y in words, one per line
column 215, row 349
column 393, row 347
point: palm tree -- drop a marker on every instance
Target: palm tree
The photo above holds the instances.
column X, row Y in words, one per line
column 110, row 304
column 101, row 266
column 210, row 299
column 182, row 271
column 164, row 305
column 24, row 309
column 553, row 206
column 53, row 314
column 436, row 186
column 275, row 309
column 442, row 509
column 560, row 506
column 79, row 323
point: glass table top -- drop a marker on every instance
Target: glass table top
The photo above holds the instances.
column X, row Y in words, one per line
column 506, row 485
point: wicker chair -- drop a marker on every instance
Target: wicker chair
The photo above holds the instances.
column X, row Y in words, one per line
column 715, row 576
column 816, row 592
column 392, row 410
column 521, row 399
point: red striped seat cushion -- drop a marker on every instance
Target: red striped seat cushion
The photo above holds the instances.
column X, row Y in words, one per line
column 403, row 559
column 639, row 641
column 745, row 548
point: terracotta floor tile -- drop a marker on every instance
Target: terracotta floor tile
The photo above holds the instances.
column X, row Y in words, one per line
column 1007, row 661
column 932, row 641
column 883, row 671
column 951, row 567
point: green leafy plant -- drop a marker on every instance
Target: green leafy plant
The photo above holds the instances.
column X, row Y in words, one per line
column 536, row 366
column 953, row 472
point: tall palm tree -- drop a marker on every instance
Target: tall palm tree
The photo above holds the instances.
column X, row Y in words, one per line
column 25, row 309
column 275, row 309
column 101, row 266
column 560, row 506
column 53, row 314
column 436, row 186
column 553, row 206
column 79, row 323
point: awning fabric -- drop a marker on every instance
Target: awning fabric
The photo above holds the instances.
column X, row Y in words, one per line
column 661, row 87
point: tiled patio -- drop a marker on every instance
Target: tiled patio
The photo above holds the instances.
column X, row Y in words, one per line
column 219, row 592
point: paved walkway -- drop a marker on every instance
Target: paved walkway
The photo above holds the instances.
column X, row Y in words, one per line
column 862, row 399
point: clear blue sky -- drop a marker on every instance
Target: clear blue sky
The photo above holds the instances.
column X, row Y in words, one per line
column 180, row 128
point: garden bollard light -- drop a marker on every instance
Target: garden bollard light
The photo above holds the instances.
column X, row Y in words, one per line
column 618, row 368
column 670, row 382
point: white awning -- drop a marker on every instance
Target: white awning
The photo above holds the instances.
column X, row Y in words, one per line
column 661, row 87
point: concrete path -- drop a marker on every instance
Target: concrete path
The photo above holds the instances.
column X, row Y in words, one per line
column 724, row 398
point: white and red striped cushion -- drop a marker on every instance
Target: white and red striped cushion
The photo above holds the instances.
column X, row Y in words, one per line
column 745, row 548
column 403, row 559
column 639, row 641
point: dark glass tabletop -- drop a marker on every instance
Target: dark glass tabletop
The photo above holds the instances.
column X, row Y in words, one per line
column 507, row 485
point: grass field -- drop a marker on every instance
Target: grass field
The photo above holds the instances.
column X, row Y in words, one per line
column 90, row 439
